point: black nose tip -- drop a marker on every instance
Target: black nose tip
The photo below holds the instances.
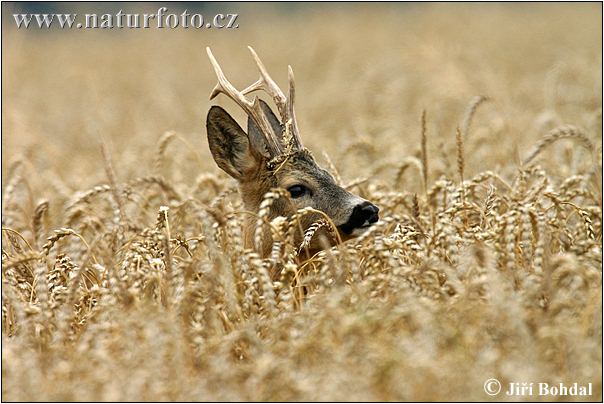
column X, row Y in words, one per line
column 362, row 215
column 370, row 212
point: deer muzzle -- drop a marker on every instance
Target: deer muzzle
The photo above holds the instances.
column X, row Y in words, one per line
column 363, row 215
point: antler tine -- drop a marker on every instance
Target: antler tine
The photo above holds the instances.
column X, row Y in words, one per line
column 252, row 108
column 224, row 86
column 266, row 83
column 290, row 106
column 284, row 104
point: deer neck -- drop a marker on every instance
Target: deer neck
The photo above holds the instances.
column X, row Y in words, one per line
column 252, row 193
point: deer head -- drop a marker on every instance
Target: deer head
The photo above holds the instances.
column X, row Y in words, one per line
column 270, row 155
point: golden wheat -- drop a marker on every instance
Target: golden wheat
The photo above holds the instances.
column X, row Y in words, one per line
column 124, row 270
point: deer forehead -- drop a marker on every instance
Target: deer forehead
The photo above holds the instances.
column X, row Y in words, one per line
column 303, row 168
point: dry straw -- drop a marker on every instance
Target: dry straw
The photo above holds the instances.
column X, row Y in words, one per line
column 562, row 132
column 159, row 285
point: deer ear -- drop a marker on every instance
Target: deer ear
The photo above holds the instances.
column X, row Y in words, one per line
column 230, row 145
column 256, row 136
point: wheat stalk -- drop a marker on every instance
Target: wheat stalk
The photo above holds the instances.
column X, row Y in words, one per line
column 562, row 132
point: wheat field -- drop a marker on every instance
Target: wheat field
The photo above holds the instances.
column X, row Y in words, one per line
column 475, row 129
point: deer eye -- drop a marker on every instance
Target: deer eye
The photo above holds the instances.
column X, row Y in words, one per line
column 297, row 191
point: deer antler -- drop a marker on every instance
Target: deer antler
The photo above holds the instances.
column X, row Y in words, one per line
column 285, row 105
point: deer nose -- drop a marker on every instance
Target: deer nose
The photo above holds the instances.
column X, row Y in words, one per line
column 369, row 212
column 363, row 215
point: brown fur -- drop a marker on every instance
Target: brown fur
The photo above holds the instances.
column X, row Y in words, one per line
column 233, row 152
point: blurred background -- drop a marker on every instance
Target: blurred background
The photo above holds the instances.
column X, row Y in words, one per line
column 364, row 73
column 518, row 266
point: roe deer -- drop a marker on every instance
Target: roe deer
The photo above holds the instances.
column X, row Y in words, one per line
column 270, row 155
